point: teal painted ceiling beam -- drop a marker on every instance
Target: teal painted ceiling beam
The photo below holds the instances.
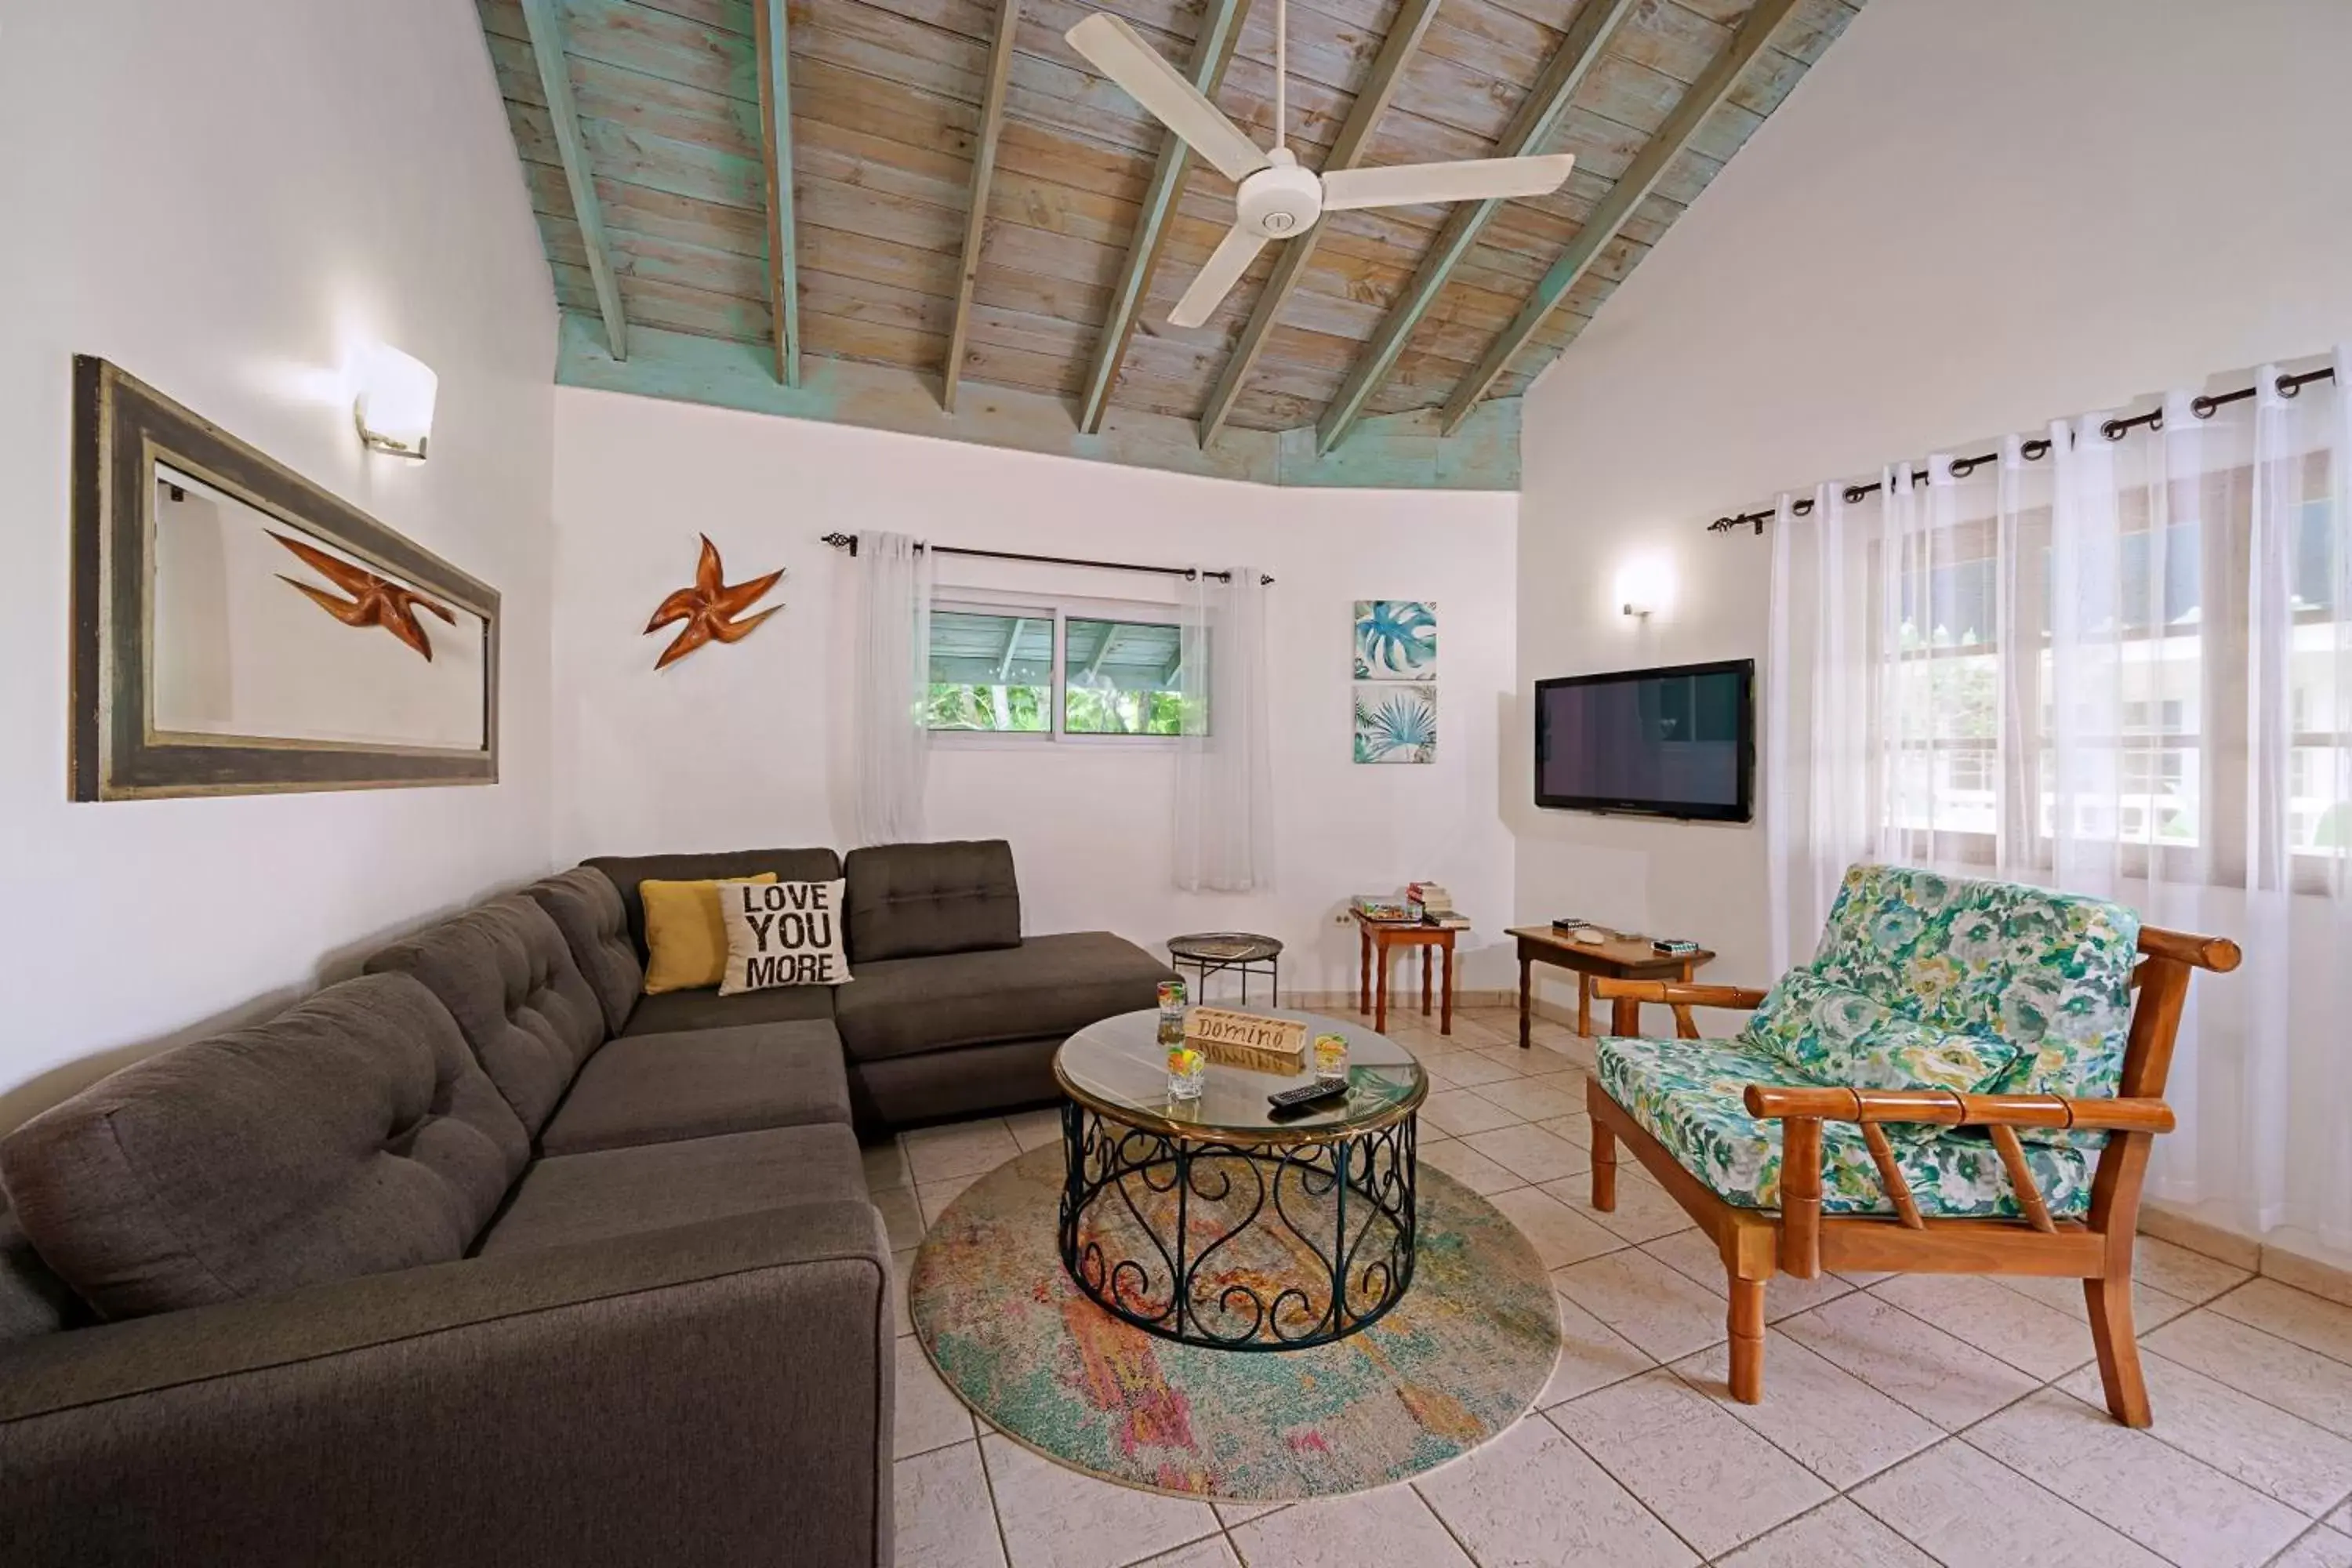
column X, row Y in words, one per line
column 1532, row 127
column 1213, row 51
column 771, row 46
column 555, row 81
column 1381, row 83
column 1400, row 451
column 1633, row 188
column 984, row 169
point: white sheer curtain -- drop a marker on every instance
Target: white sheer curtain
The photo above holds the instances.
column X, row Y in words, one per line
column 891, row 676
column 2120, row 666
column 1225, row 775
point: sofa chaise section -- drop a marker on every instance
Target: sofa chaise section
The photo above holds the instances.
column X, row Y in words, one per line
column 954, row 1034
column 950, row 1011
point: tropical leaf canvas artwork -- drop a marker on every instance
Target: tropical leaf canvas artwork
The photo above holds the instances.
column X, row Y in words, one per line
column 1395, row 724
column 1396, row 639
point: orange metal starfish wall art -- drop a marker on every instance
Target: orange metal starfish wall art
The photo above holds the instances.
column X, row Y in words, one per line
column 709, row 609
column 374, row 601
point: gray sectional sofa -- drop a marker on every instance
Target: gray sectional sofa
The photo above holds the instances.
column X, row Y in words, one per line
column 483, row 1256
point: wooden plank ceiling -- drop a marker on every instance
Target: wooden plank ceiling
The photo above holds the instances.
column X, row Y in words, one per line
column 887, row 111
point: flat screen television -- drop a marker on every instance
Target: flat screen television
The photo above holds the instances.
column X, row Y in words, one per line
column 1678, row 742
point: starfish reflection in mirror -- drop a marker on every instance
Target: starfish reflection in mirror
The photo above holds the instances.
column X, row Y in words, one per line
column 374, row 601
column 709, row 609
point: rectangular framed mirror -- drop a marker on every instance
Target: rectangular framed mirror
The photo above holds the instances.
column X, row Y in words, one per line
column 237, row 630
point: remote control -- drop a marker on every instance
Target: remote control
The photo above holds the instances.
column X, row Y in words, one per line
column 1305, row 1099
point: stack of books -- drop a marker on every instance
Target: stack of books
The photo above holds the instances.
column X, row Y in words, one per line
column 1437, row 906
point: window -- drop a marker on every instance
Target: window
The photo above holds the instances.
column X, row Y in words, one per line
column 1055, row 668
column 1121, row 678
column 2154, row 745
column 991, row 670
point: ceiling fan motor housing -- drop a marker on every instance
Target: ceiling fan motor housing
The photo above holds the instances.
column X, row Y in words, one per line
column 1280, row 201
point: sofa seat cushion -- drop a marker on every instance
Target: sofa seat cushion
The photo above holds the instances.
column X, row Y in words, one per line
column 1687, row 1095
column 675, row 1012
column 1047, row 985
column 593, row 1196
column 655, row 1088
column 915, row 901
column 507, row 975
column 587, row 908
column 354, row 1133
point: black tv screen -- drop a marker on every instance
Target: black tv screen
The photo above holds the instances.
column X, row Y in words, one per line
column 1679, row 742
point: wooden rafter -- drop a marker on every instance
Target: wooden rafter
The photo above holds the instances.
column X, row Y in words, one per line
column 1413, row 20
column 772, row 44
column 546, row 31
column 1212, row 50
column 983, row 167
column 1538, row 117
column 1633, row 188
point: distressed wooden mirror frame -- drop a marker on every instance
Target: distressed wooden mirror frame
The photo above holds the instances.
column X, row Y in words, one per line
column 122, row 429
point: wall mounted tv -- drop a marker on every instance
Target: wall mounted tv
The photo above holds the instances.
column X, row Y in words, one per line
column 1678, row 742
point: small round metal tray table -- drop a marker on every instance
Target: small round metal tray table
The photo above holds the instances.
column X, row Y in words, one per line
column 1241, row 953
column 1206, row 1220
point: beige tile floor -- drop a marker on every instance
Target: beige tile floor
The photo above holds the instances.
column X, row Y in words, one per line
column 1905, row 1421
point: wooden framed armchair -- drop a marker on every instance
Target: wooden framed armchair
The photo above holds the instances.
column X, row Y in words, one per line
column 2065, row 1009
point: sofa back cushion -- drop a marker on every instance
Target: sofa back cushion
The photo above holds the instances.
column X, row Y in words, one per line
column 507, row 977
column 352, row 1134
column 33, row 1301
column 2049, row 974
column 587, row 908
column 728, row 866
column 1828, row 1033
column 913, row 900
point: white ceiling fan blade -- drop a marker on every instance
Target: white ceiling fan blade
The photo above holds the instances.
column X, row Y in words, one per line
column 1474, row 179
column 1111, row 46
column 1218, row 275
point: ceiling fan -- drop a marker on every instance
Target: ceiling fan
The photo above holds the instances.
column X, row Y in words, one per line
column 1276, row 199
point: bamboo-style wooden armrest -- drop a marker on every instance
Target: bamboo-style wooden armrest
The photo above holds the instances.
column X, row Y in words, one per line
column 2217, row 953
column 1947, row 1108
column 1678, row 992
column 1804, row 1109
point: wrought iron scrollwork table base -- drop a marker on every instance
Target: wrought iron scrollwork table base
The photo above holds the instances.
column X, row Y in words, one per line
column 1238, row 1245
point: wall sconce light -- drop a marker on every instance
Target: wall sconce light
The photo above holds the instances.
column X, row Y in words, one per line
column 1643, row 586
column 394, row 407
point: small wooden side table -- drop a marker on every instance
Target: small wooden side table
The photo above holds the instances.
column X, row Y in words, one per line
column 1379, row 936
column 1619, row 958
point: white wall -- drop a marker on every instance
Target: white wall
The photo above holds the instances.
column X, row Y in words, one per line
column 227, row 200
column 741, row 745
column 1968, row 220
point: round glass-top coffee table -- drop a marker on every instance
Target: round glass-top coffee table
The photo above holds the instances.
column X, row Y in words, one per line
column 1208, row 1222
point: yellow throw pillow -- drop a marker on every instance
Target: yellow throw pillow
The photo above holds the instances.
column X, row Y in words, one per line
column 686, row 939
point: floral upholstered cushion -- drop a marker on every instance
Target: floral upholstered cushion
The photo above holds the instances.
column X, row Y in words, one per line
column 1686, row 1094
column 1833, row 1034
column 2049, row 972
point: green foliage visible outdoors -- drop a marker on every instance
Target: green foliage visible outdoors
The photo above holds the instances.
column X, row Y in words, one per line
column 1017, row 709
column 1107, row 710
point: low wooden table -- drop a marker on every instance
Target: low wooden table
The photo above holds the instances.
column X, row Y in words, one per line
column 1381, row 935
column 1619, row 958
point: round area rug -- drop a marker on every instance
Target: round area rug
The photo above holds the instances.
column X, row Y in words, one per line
column 1454, row 1363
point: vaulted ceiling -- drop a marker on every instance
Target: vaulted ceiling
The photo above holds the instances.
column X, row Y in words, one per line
column 947, row 183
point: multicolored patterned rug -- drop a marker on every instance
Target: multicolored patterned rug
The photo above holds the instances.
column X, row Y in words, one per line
column 1456, row 1362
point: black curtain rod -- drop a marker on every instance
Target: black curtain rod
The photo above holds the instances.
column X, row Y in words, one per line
column 849, row 541
column 2035, row 450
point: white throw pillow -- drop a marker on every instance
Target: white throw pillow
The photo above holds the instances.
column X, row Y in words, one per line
column 781, row 933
